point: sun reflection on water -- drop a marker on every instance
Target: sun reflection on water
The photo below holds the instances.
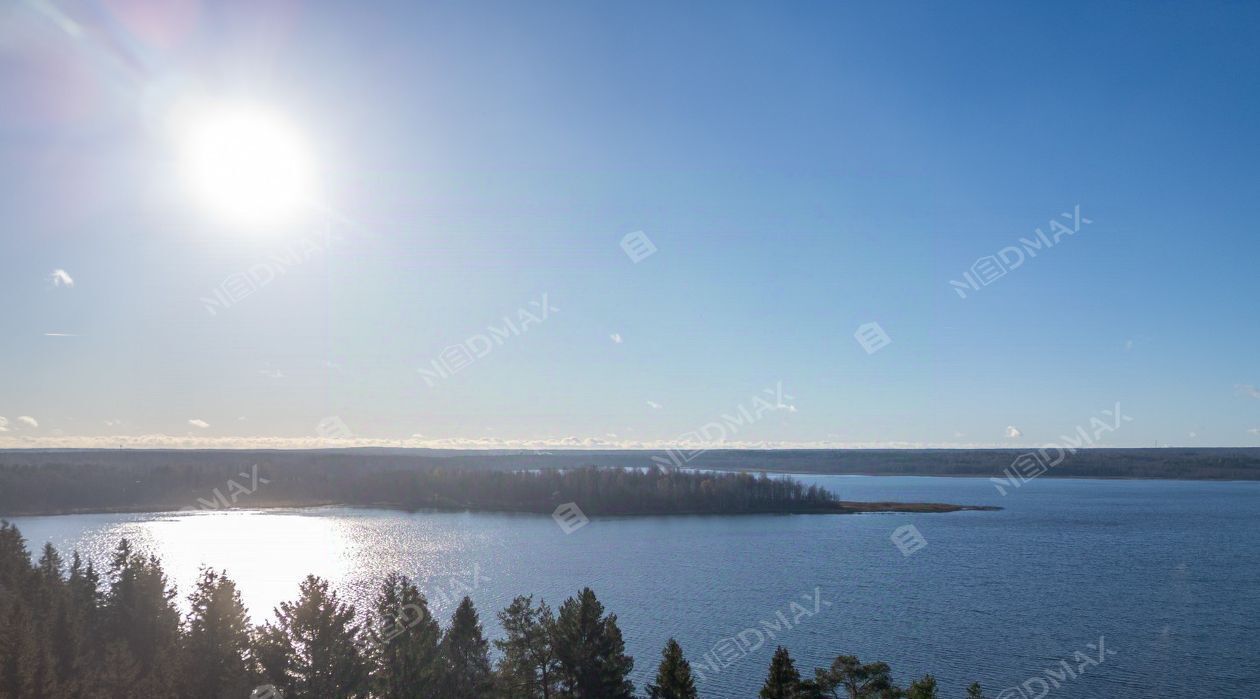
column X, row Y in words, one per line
column 268, row 552
column 272, row 550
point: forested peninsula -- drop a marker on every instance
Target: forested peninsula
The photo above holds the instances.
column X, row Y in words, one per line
column 228, row 482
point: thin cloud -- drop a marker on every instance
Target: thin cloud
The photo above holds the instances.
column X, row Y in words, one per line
column 60, row 335
column 1246, row 389
column 59, row 277
column 199, row 424
column 1013, row 432
column 654, row 405
column 201, row 440
column 28, row 421
column 4, row 424
column 616, row 338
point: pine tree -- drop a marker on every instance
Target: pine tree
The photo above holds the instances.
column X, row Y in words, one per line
column 673, row 677
column 15, row 576
column 974, row 691
column 593, row 663
column 783, row 681
column 50, row 566
column 116, row 673
column 15, row 561
column 140, row 612
column 216, row 644
column 922, row 689
column 44, row 609
column 529, row 668
column 312, row 648
column 856, row 680
column 84, row 589
column 404, row 642
column 77, row 638
column 465, row 655
column 32, row 673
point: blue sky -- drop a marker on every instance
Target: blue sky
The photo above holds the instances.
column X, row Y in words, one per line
column 802, row 169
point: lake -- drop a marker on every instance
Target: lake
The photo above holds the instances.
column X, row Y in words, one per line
column 1166, row 575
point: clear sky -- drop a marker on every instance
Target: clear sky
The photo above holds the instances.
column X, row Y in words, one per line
column 802, row 169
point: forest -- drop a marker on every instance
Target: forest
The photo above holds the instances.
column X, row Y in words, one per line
column 152, row 486
column 1197, row 463
column 70, row 631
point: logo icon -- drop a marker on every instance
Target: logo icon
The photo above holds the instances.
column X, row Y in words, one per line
column 570, row 517
column 908, row 539
column 637, row 246
column 333, row 427
column 872, row 337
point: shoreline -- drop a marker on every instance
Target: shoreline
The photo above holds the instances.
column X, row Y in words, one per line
column 872, row 474
column 844, row 507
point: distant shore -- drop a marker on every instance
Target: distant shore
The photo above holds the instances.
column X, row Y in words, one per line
column 1163, row 463
column 720, row 482
column 846, row 507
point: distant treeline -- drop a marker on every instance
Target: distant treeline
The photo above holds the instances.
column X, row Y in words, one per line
column 72, row 632
column 1174, row 463
column 51, row 481
column 54, row 488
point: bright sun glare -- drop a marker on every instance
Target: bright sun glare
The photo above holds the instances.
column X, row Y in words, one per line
column 249, row 165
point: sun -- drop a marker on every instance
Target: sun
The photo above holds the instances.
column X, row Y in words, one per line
column 248, row 164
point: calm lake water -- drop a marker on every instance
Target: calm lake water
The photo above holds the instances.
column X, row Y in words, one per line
column 1168, row 573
